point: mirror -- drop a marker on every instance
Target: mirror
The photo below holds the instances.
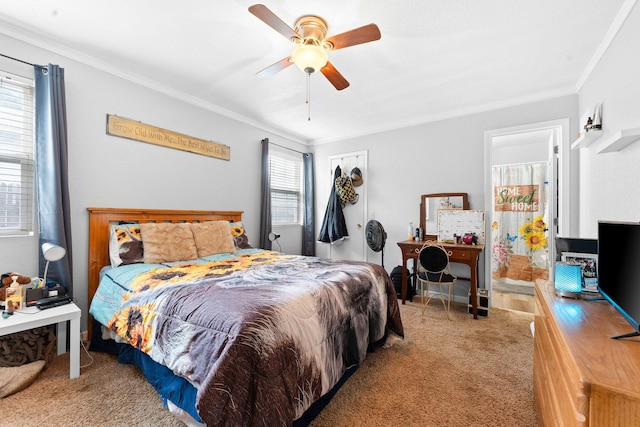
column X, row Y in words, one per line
column 431, row 203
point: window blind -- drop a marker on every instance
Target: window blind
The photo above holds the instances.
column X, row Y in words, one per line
column 286, row 188
column 17, row 162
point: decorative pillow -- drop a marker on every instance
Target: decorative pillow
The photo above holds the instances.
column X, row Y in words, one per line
column 125, row 245
column 212, row 237
column 167, row 242
column 240, row 238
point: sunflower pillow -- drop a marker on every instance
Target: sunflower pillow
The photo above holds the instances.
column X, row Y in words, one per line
column 240, row 239
column 125, row 245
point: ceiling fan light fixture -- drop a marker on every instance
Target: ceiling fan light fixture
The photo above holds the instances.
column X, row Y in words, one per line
column 309, row 58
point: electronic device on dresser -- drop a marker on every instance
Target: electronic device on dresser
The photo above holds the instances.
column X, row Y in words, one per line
column 619, row 269
column 575, row 245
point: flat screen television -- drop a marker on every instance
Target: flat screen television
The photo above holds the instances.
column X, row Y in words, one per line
column 619, row 269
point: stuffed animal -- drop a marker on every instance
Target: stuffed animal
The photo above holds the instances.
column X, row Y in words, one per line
column 7, row 281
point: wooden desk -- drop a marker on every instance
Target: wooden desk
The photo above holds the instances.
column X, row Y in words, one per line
column 463, row 254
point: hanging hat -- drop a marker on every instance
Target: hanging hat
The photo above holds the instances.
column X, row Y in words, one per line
column 356, row 177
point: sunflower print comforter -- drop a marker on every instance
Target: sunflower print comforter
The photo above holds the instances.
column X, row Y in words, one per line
column 262, row 335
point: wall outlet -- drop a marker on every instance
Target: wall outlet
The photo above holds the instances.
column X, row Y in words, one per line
column 84, row 335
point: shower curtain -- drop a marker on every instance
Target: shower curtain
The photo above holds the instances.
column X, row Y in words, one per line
column 519, row 230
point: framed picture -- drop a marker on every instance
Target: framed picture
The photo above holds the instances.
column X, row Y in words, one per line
column 589, row 266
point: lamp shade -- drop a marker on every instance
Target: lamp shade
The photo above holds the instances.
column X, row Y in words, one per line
column 273, row 236
column 53, row 252
column 309, row 58
column 568, row 279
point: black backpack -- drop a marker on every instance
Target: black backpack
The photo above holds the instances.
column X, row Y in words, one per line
column 396, row 278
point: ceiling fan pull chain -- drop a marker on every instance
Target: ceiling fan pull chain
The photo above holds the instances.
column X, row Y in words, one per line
column 308, row 97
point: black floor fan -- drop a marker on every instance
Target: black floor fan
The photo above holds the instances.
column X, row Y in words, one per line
column 376, row 237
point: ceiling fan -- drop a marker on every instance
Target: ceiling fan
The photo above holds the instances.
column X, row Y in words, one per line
column 312, row 44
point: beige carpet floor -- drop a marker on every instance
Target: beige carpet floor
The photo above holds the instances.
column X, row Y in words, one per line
column 445, row 373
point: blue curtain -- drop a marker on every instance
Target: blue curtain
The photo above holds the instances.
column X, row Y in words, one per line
column 51, row 171
column 265, row 198
column 308, row 218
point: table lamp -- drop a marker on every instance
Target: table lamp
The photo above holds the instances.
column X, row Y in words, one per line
column 51, row 252
column 568, row 280
column 273, row 237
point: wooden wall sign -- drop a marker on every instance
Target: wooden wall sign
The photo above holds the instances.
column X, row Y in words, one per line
column 125, row 128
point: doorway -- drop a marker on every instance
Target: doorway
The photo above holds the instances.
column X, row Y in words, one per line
column 524, row 200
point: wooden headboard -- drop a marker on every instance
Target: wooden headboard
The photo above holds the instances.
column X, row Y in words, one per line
column 101, row 220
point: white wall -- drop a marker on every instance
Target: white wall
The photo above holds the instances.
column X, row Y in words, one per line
column 609, row 182
column 106, row 171
column 444, row 156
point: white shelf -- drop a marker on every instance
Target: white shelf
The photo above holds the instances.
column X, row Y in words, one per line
column 620, row 140
column 586, row 139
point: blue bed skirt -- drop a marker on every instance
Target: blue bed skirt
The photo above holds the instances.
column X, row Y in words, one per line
column 180, row 391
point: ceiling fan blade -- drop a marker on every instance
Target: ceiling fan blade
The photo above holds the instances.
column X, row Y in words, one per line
column 274, row 68
column 334, row 76
column 270, row 18
column 365, row 34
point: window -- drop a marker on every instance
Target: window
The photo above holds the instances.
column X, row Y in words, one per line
column 17, row 165
column 286, row 188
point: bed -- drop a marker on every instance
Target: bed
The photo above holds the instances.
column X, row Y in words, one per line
column 234, row 335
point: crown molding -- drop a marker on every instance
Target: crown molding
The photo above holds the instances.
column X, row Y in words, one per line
column 513, row 102
column 615, row 27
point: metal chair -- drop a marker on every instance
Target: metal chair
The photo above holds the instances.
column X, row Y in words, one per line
column 434, row 270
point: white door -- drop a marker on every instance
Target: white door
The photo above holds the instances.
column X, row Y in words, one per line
column 352, row 247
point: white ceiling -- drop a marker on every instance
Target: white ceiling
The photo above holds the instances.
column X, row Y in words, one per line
column 436, row 59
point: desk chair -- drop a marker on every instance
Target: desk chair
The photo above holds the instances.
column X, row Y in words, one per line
column 434, row 270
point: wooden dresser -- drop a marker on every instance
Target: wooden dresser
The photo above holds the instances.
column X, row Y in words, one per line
column 581, row 376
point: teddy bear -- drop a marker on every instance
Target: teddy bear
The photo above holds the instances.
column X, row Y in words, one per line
column 7, row 280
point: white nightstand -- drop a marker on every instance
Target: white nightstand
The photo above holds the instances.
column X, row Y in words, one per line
column 32, row 317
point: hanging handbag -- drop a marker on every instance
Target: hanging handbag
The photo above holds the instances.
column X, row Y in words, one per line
column 344, row 189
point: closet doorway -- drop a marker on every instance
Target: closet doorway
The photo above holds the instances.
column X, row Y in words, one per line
column 524, row 191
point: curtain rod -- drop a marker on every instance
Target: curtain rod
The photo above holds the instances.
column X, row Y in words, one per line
column 24, row 62
column 286, row 148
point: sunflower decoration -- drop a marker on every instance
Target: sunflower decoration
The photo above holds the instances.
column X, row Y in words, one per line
column 237, row 230
column 135, row 325
column 536, row 240
column 525, row 230
column 534, row 233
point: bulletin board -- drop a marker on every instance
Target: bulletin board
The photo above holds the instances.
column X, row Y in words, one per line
column 460, row 222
